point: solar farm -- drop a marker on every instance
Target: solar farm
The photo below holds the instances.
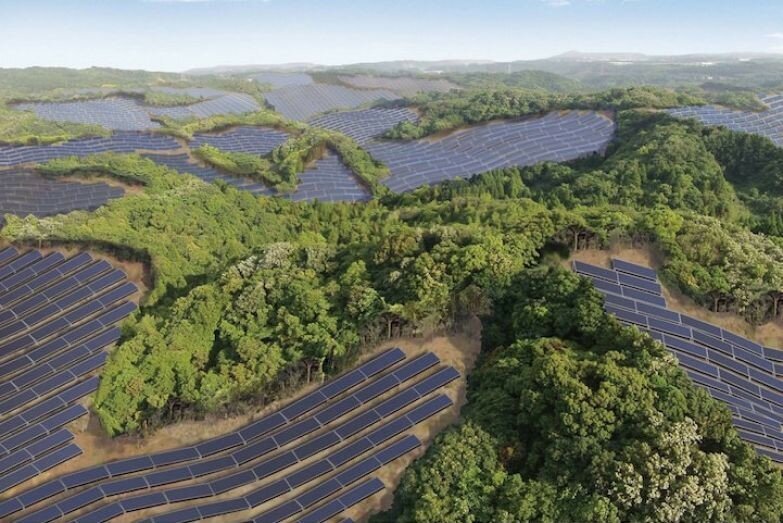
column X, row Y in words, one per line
column 364, row 124
column 741, row 373
column 556, row 137
column 403, row 85
column 119, row 142
column 57, row 315
column 302, row 102
column 23, row 193
column 309, row 461
column 129, row 114
column 182, row 164
column 768, row 123
column 279, row 80
column 329, row 180
column 253, row 140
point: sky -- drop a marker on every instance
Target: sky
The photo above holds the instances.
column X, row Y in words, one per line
column 175, row 35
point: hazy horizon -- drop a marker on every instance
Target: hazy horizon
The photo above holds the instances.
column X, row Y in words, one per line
column 177, row 35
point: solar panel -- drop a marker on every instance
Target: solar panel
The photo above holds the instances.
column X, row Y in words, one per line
column 316, row 445
column 377, row 388
column 382, row 362
column 123, row 486
column 389, row 429
column 219, row 444
column 437, row 380
column 308, row 473
column 350, row 498
column 303, row 405
column 634, row 269
column 295, row 431
column 416, row 366
column 337, row 410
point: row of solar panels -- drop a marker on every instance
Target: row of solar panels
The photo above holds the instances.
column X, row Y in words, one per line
column 767, row 123
column 130, row 114
column 57, row 314
column 364, row 124
column 327, row 180
column 355, row 398
column 23, row 193
column 555, row 137
column 302, row 102
column 735, row 370
column 118, row 142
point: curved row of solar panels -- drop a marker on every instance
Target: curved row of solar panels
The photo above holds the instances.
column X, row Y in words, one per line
column 310, row 460
column 768, row 123
column 402, row 85
column 130, row 114
column 364, row 124
column 57, row 315
column 327, row 180
column 119, row 142
column 302, row 102
column 744, row 375
column 556, row 137
column 23, row 193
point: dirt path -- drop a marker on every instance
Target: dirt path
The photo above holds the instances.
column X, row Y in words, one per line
column 770, row 334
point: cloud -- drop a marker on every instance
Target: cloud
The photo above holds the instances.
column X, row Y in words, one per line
column 557, row 3
column 776, row 36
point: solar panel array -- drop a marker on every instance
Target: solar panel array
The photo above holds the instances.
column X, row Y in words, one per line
column 130, row 114
column 24, row 193
column 57, row 314
column 555, row 137
column 119, row 142
column 767, row 123
column 181, row 163
column 331, row 181
column 744, row 375
column 228, row 103
column 121, row 114
column 278, row 80
column 302, row 102
column 364, row 124
column 310, row 460
column 403, row 85
column 245, row 139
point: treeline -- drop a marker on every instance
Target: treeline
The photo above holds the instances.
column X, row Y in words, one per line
column 446, row 111
column 571, row 417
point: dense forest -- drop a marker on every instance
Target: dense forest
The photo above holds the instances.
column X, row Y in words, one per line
column 570, row 416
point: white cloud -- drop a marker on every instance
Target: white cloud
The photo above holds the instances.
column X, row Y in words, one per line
column 777, row 36
column 557, row 3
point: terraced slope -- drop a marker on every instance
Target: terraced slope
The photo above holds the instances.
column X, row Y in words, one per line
column 119, row 142
column 310, row 460
column 130, row 114
column 556, row 137
column 302, row 102
column 767, row 123
column 23, row 193
column 403, row 85
column 278, row 80
column 365, row 124
column 57, row 315
column 739, row 372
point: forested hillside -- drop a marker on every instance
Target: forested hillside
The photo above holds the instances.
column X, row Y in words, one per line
column 570, row 416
